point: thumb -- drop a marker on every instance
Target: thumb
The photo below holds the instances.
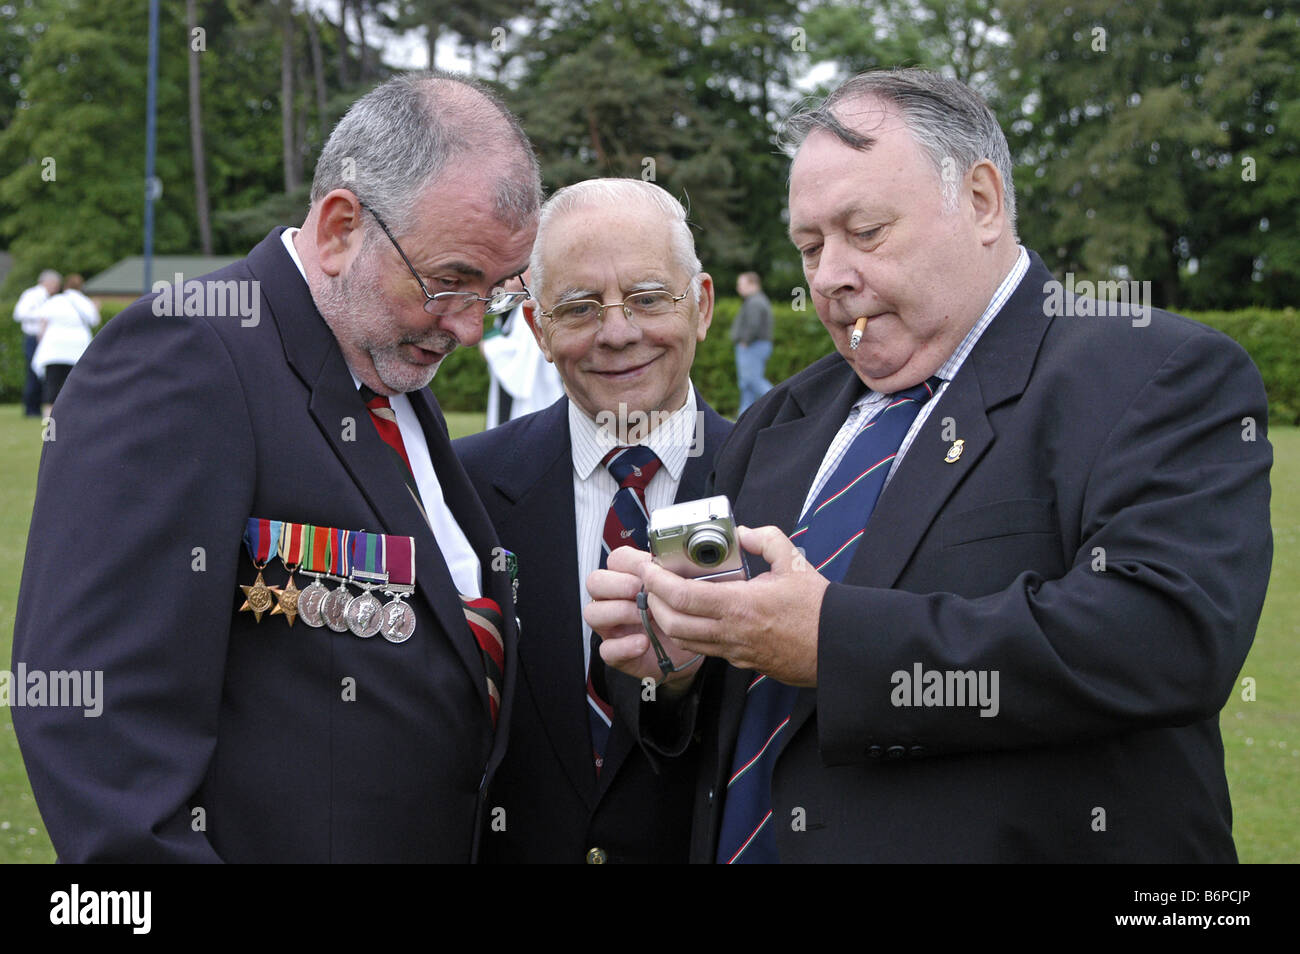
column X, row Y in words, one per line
column 775, row 548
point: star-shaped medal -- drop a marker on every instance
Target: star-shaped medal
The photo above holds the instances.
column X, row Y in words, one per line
column 287, row 600
column 257, row 598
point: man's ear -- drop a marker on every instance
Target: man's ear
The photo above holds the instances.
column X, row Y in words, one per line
column 339, row 231
column 531, row 309
column 705, row 301
column 987, row 199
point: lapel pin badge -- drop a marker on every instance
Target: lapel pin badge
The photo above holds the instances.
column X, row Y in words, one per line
column 954, row 452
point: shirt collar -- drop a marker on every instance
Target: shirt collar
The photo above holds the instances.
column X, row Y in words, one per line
column 287, row 238
column 671, row 440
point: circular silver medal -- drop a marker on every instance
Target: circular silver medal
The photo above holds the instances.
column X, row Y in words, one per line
column 363, row 615
column 334, row 607
column 309, row 604
column 398, row 622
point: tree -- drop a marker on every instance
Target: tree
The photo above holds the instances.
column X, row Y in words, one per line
column 957, row 37
column 1132, row 142
column 292, row 155
column 196, row 129
column 72, row 194
column 633, row 88
column 1244, row 234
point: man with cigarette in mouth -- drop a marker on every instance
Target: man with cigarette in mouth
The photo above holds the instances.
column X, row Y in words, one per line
column 1004, row 566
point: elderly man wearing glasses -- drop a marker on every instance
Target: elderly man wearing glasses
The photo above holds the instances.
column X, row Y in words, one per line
column 619, row 304
column 211, row 461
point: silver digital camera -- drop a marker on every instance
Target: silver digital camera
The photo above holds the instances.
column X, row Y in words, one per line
column 697, row 539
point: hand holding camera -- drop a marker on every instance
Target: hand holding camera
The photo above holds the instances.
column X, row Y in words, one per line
column 768, row 623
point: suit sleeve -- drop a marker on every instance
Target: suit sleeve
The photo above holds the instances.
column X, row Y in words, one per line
column 1176, row 505
column 143, row 492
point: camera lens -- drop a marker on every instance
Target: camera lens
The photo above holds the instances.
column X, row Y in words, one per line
column 707, row 547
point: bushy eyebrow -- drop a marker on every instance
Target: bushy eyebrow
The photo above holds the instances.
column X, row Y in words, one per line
column 460, row 268
column 578, row 292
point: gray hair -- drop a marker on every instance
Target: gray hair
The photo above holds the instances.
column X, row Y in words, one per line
column 49, row 275
column 949, row 121
column 395, row 141
column 620, row 193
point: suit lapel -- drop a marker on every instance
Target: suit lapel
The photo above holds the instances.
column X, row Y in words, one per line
column 542, row 521
column 698, row 470
column 921, row 486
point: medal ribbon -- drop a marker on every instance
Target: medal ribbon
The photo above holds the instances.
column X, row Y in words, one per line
column 292, row 539
column 315, row 549
column 400, row 557
column 262, row 538
column 339, row 563
column 368, row 558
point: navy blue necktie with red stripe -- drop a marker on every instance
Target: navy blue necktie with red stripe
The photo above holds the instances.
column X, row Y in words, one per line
column 828, row 533
column 626, row 525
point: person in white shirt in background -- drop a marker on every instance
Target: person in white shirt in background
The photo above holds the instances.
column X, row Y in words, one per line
column 25, row 313
column 66, row 320
column 522, row 380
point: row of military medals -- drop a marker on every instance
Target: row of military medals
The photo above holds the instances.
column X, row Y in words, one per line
column 368, row 560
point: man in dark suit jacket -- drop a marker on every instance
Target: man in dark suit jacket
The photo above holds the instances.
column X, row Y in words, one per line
column 607, row 240
column 1025, row 656
column 222, row 738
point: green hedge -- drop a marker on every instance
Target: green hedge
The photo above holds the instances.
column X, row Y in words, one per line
column 1272, row 339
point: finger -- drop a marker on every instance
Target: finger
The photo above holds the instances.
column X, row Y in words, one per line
column 612, row 585
column 690, row 647
column 678, row 626
column 627, row 559
column 608, row 616
column 621, row 652
column 690, row 597
column 774, row 547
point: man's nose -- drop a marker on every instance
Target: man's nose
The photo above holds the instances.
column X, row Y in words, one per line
column 617, row 329
column 466, row 326
column 838, row 270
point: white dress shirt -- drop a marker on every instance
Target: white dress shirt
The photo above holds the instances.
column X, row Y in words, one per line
column 871, row 403
column 462, row 561
column 594, row 486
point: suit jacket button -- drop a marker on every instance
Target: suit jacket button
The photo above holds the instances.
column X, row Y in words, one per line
column 596, row 856
column 875, row 752
column 895, row 752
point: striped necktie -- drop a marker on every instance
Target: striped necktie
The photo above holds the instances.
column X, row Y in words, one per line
column 483, row 614
column 384, row 418
column 625, row 525
column 828, row 533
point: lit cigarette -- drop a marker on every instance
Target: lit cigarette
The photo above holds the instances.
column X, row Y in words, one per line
column 856, row 338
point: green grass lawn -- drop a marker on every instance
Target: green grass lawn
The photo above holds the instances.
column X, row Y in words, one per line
column 1261, row 738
